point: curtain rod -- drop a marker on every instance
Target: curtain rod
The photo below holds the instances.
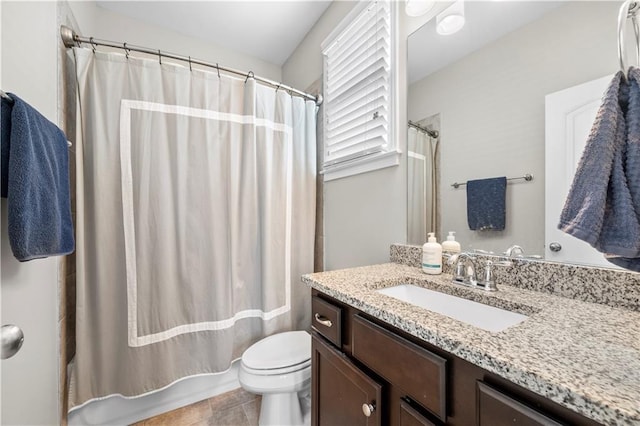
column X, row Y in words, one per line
column 433, row 133
column 71, row 39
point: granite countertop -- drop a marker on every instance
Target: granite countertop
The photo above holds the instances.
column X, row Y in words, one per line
column 584, row 356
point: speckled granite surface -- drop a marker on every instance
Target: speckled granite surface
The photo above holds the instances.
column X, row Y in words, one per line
column 617, row 288
column 584, row 356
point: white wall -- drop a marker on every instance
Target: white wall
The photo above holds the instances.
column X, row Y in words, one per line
column 492, row 113
column 363, row 214
column 29, row 290
column 100, row 23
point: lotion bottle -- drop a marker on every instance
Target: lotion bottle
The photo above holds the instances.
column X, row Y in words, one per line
column 451, row 246
column 432, row 256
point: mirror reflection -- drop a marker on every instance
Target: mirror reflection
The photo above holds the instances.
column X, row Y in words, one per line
column 485, row 101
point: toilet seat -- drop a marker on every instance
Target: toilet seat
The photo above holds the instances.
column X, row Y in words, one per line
column 277, row 371
column 278, row 354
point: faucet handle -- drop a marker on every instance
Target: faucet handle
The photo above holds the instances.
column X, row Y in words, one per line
column 488, row 282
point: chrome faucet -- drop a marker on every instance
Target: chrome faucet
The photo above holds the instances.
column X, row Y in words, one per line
column 517, row 251
column 464, row 269
column 514, row 251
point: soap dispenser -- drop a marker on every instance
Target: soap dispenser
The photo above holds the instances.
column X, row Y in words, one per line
column 451, row 246
column 432, row 256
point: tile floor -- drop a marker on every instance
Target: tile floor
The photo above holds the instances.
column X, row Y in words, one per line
column 234, row 408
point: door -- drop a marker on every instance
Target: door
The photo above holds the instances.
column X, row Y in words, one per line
column 569, row 115
column 341, row 393
column 409, row 416
column 29, row 290
column 29, row 294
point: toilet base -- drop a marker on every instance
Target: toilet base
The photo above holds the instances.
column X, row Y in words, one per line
column 280, row 409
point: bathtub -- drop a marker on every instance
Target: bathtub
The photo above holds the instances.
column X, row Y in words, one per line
column 118, row 410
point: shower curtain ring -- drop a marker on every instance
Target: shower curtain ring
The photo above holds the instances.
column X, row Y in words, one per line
column 218, row 68
column 250, row 74
column 278, row 87
column 93, row 45
column 159, row 56
column 190, row 67
column 126, row 51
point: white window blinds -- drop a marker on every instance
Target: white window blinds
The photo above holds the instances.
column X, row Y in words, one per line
column 357, row 88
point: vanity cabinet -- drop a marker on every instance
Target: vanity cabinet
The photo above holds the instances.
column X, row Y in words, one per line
column 362, row 365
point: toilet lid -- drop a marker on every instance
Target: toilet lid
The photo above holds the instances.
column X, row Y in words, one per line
column 278, row 351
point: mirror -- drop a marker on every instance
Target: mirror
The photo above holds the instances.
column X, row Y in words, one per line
column 483, row 90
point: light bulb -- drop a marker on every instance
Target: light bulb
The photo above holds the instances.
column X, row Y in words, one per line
column 418, row 7
column 451, row 20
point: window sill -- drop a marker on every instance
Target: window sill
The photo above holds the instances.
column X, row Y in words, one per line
column 362, row 165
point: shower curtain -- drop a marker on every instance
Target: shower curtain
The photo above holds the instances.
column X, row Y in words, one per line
column 195, row 220
column 422, row 186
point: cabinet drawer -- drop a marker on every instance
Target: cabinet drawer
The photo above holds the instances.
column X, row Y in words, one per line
column 418, row 372
column 411, row 417
column 498, row 409
column 326, row 319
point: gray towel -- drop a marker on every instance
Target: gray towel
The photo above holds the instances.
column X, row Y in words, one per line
column 632, row 164
column 36, row 179
column 603, row 204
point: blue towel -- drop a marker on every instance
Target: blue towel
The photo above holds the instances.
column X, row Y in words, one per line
column 36, row 178
column 603, row 205
column 5, row 134
column 631, row 166
column 486, row 201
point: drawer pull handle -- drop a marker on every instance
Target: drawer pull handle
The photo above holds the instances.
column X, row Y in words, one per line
column 323, row 320
column 368, row 409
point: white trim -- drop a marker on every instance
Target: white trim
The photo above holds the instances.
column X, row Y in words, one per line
column 417, row 156
column 363, row 165
column 126, row 106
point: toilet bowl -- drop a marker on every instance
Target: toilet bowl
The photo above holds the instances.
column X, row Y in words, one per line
column 279, row 368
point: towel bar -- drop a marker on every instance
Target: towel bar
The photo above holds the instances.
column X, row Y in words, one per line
column 528, row 177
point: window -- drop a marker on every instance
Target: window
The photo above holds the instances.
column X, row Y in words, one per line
column 358, row 93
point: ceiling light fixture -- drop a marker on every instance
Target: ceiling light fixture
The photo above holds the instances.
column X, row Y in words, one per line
column 418, row 7
column 451, row 20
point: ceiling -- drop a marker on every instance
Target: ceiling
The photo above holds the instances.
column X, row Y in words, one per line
column 486, row 21
column 268, row 30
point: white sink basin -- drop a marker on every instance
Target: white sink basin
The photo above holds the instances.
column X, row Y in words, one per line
column 474, row 313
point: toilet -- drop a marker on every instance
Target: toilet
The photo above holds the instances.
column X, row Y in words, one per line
column 279, row 368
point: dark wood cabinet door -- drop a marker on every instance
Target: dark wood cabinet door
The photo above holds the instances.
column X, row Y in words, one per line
column 339, row 390
column 411, row 417
column 497, row 409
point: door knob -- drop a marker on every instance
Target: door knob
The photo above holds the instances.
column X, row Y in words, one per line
column 368, row 409
column 555, row 247
column 12, row 338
